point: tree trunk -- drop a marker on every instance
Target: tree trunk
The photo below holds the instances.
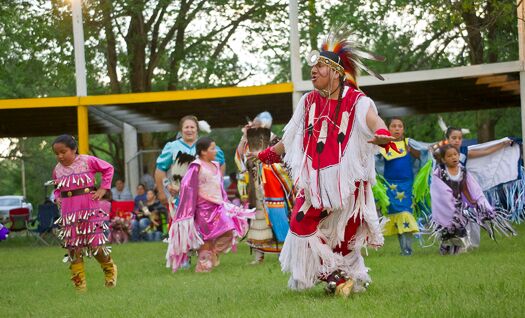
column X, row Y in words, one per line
column 112, row 58
column 176, row 57
column 486, row 130
column 148, row 141
column 474, row 39
column 136, row 41
column 491, row 33
column 487, row 121
column 312, row 24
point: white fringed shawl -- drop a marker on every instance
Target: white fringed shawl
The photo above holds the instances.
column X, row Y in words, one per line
column 357, row 162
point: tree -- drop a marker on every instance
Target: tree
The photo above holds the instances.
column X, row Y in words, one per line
column 39, row 162
column 426, row 34
column 162, row 50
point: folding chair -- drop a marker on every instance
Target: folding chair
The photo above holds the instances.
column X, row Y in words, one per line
column 120, row 221
column 47, row 214
column 19, row 219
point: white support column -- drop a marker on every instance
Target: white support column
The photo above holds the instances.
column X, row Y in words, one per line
column 295, row 57
column 78, row 40
column 23, row 168
column 132, row 162
column 80, row 76
column 521, row 43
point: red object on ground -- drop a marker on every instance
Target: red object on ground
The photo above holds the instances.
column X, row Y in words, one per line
column 19, row 218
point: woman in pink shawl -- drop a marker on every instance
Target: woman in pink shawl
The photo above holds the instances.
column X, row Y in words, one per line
column 458, row 200
column 205, row 220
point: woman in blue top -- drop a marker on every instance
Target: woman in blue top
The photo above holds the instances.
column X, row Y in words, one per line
column 177, row 154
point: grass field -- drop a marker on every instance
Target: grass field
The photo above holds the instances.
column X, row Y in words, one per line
column 489, row 282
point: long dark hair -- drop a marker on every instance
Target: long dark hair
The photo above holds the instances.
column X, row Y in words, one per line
column 443, row 150
column 396, row 118
column 203, row 144
column 450, row 130
column 67, row 140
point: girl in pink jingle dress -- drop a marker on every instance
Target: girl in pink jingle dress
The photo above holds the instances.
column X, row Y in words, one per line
column 84, row 212
column 205, row 220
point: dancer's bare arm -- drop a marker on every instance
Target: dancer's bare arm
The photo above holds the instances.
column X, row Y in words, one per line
column 374, row 123
column 279, row 148
column 159, row 178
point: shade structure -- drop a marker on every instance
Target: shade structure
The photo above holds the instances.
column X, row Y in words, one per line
column 421, row 92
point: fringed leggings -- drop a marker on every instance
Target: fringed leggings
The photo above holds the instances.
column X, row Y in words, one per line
column 309, row 225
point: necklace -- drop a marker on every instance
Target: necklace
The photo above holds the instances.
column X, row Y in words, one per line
column 325, row 92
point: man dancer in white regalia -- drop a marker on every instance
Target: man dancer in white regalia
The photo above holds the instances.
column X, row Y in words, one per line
column 329, row 145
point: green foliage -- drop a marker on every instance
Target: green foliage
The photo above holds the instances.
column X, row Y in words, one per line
column 228, row 139
column 39, row 162
column 487, row 282
column 426, row 34
column 425, row 127
column 36, row 53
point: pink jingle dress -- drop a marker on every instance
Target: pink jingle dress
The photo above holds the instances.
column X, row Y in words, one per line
column 204, row 215
column 83, row 220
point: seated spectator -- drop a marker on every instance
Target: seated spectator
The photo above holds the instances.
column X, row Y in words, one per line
column 147, row 180
column 148, row 221
column 140, row 197
column 158, row 216
column 120, row 192
column 232, row 191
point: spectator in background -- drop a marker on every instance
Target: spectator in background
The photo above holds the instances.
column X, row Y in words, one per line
column 157, row 214
column 232, row 191
column 176, row 156
column 147, row 180
column 140, row 197
column 148, row 219
column 120, row 192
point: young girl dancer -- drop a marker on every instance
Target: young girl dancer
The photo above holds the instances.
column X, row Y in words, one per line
column 457, row 200
column 205, row 220
column 400, row 180
column 84, row 213
column 455, row 138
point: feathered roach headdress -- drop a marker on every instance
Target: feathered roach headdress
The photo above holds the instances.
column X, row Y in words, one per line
column 343, row 56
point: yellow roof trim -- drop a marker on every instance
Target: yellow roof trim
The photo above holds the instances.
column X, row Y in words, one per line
column 44, row 102
column 152, row 97
column 166, row 96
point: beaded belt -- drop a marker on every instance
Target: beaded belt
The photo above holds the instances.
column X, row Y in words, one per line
column 72, row 193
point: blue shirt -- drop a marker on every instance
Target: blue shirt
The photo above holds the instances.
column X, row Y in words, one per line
column 139, row 198
column 170, row 151
column 463, row 155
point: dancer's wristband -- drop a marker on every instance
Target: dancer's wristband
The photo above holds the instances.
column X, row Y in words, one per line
column 269, row 156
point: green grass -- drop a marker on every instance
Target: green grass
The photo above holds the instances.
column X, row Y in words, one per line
column 489, row 282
